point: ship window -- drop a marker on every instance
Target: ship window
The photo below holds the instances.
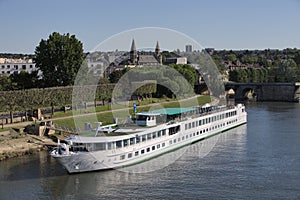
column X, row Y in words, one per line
column 164, row 132
column 153, row 148
column 196, row 123
column 158, row 133
column 193, row 124
column 149, row 136
column 141, row 117
column 174, row 140
column 154, row 135
column 163, row 144
column 122, row 157
column 197, row 132
column 207, row 130
column 174, row 130
column 136, row 153
column 193, row 134
column 99, row 146
column 178, row 139
column 190, row 135
column 148, row 149
column 125, row 143
column 137, row 139
column 129, row 155
column 119, row 144
column 158, row 146
column 143, row 138
column 201, row 132
column 186, row 137
column 182, row 138
column 200, row 122
column 186, row 126
column 190, row 125
column 109, row 145
column 170, row 142
column 142, row 151
column 131, row 141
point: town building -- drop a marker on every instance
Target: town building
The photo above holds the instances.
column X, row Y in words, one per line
column 176, row 60
column 11, row 66
column 135, row 58
column 144, row 58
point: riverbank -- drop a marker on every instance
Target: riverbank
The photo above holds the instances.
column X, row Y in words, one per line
column 14, row 144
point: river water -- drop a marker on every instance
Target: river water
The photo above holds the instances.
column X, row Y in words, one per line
column 255, row 161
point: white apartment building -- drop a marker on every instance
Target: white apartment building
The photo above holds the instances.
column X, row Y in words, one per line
column 11, row 66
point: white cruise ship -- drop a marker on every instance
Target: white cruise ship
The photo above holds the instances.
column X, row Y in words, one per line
column 158, row 132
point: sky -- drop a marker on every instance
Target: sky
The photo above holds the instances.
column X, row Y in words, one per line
column 219, row 24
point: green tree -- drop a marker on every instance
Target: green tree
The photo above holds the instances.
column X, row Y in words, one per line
column 24, row 80
column 6, row 83
column 115, row 76
column 59, row 58
column 232, row 57
column 286, row 71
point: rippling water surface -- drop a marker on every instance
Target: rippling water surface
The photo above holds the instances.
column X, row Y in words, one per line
column 254, row 161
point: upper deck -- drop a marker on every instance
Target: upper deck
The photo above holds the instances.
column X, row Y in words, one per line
column 149, row 121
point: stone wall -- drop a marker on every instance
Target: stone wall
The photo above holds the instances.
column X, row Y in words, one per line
column 266, row 91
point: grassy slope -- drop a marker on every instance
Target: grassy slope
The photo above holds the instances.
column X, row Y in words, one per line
column 107, row 117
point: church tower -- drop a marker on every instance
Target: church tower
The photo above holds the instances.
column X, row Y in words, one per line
column 158, row 53
column 157, row 49
column 133, row 53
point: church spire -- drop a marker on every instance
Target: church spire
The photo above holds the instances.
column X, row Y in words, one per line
column 133, row 53
column 133, row 48
column 157, row 48
column 157, row 53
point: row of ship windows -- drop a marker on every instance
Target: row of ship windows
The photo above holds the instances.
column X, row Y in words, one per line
column 16, row 66
column 202, row 131
column 147, row 150
column 139, row 139
column 209, row 120
column 118, row 144
column 137, row 153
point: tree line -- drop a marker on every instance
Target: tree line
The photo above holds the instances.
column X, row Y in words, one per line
column 284, row 70
column 269, row 65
